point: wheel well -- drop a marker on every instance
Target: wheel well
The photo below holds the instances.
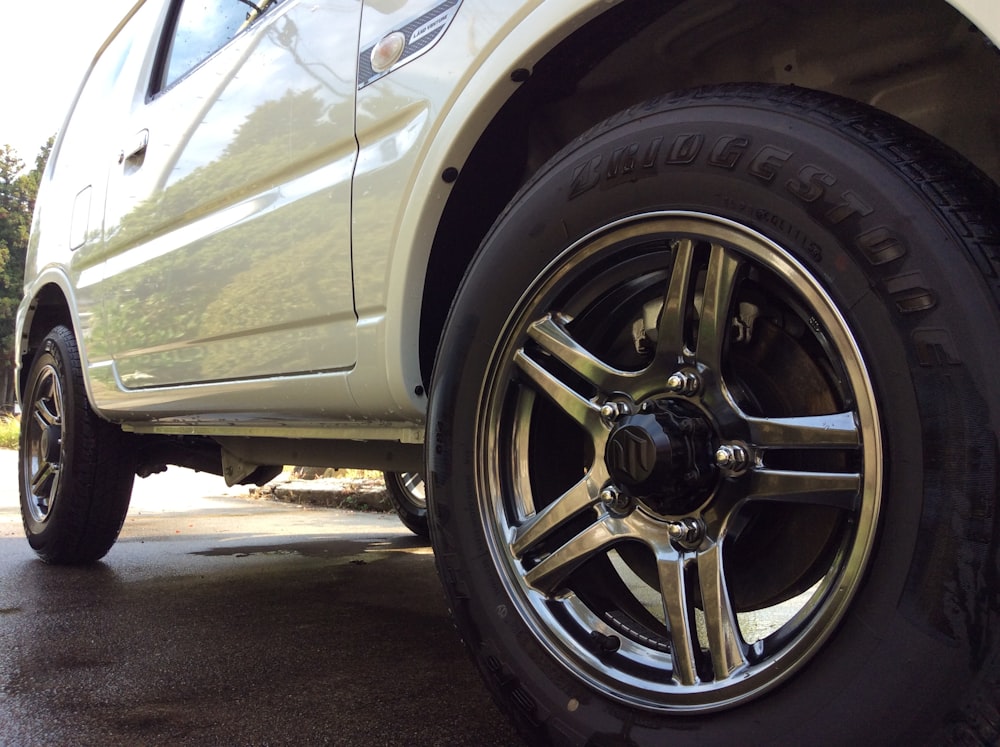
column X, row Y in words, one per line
column 49, row 309
column 901, row 59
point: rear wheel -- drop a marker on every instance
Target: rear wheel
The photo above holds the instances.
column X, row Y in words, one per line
column 698, row 432
column 407, row 493
column 76, row 470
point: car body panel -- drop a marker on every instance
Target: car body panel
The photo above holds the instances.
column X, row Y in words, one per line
column 414, row 125
column 152, row 372
column 984, row 13
column 304, row 265
column 242, row 196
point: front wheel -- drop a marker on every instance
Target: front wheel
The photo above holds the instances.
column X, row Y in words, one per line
column 76, row 470
column 702, row 465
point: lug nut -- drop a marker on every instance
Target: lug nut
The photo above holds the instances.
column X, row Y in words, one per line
column 614, row 499
column 611, row 411
column 731, row 458
column 683, row 382
column 686, row 531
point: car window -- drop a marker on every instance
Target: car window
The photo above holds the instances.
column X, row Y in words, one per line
column 200, row 28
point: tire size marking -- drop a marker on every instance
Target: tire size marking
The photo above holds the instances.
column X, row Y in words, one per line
column 792, row 232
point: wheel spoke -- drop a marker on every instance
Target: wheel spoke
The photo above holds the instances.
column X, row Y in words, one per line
column 45, row 473
column 725, row 644
column 553, row 338
column 677, row 612
column 413, row 481
column 838, row 430
column 578, row 498
column 550, row 574
column 834, row 431
column 837, row 489
column 582, row 410
column 43, row 415
column 723, row 267
column 670, row 331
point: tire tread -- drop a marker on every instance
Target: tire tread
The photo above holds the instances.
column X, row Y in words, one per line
column 92, row 508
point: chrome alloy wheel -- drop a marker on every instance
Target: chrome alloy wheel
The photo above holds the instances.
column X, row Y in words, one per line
column 679, row 458
column 412, row 486
column 42, row 454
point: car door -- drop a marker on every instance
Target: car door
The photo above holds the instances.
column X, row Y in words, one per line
column 227, row 222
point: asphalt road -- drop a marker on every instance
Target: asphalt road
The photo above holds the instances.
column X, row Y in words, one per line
column 220, row 620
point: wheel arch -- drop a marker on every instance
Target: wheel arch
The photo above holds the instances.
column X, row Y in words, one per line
column 49, row 307
column 896, row 59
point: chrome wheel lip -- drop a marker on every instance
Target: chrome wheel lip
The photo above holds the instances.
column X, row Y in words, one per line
column 548, row 618
column 42, row 456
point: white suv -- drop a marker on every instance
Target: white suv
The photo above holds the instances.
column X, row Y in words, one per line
column 687, row 311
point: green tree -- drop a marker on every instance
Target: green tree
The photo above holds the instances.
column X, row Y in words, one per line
column 18, row 189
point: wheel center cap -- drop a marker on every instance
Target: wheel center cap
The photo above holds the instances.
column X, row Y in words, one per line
column 634, row 450
column 50, row 442
column 662, row 458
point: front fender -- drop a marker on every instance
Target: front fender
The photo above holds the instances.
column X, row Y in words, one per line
column 416, row 126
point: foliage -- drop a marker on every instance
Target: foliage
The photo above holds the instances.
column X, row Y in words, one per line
column 18, row 189
column 10, row 431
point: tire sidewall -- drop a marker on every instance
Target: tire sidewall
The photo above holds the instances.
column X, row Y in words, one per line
column 43, row 534
column 905, row 287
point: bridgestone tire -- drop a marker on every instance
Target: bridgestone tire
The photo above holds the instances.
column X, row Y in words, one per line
column 716, row 463
column 76, row 470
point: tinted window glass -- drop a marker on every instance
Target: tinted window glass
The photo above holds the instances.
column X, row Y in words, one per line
column 202, row 27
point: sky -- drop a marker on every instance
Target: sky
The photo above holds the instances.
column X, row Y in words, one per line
column 45, row 48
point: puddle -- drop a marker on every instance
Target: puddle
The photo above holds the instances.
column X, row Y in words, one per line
column 340, row 552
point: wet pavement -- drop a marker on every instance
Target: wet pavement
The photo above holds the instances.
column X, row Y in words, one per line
column 221, row 620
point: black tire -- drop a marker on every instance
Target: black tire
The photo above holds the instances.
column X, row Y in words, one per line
column 804, row 439
column 407, row 493
column 75, row 469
